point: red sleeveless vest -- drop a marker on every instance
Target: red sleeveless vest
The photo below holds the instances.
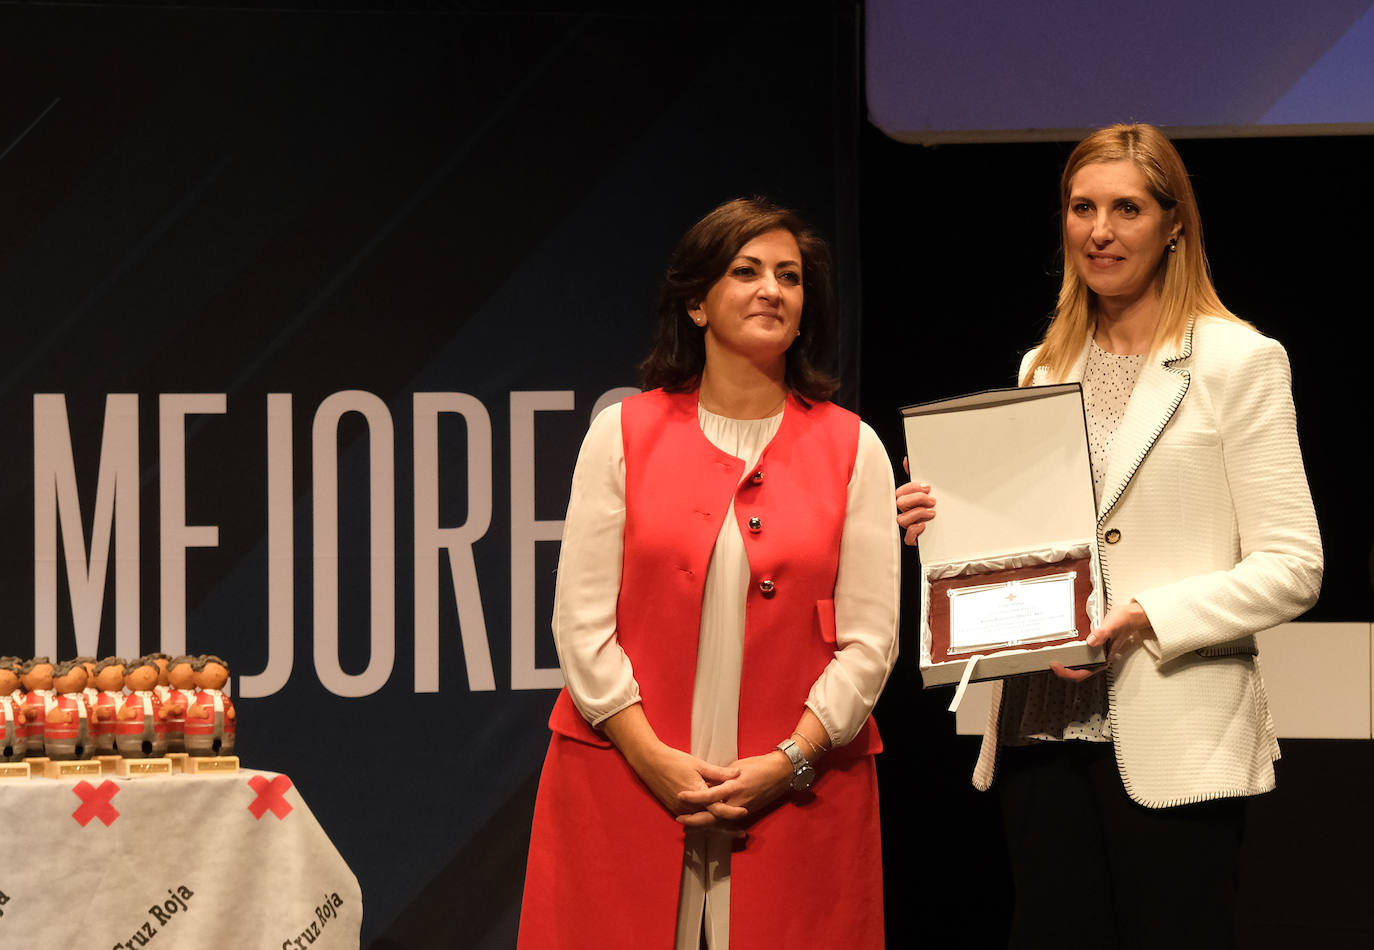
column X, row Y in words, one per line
column 605, row 857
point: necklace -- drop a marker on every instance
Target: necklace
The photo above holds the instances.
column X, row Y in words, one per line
column 705, row 403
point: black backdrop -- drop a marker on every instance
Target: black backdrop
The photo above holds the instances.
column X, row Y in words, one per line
column 438, row 198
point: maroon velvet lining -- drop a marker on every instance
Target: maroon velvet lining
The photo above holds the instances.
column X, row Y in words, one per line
column 939, row 604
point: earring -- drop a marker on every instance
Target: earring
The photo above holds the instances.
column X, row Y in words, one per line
column 1173, row 245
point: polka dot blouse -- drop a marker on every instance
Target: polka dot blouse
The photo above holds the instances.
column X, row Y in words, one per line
column 1043, row 707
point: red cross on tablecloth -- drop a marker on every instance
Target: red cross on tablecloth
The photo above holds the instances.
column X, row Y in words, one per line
column 270, row 796
column 95, row 802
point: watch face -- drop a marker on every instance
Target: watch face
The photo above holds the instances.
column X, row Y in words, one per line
column 804, row 778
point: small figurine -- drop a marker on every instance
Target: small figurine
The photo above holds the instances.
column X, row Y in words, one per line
column 14, row 663
column 177, row 699
column 141, row 723
column 90, row 691
column 13, row 736
column 108, row 682
column 210, row 722
column 163, row 661
column 66, row 722
column 36, row 677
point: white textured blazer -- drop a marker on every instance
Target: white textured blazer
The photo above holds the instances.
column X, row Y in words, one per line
column 1214, row 535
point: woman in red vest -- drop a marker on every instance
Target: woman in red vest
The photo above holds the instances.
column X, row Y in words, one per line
column 725, row 617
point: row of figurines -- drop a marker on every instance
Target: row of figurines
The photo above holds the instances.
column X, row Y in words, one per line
column 139, row 709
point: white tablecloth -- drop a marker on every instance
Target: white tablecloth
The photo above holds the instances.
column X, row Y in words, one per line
column 181, row 861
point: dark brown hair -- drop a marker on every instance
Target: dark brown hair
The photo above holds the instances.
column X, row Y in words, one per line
column 108, row 662
column 60, row 670
column 701, row 258
column 33, row 663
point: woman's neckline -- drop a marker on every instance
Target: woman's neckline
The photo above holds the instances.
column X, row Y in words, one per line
column 776, row 410
column 777, row 414
column 1119, row 356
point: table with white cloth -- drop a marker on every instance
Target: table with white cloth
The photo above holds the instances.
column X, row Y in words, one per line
column 168, row 862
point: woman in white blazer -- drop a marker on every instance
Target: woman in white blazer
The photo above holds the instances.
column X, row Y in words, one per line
column 1123, row 789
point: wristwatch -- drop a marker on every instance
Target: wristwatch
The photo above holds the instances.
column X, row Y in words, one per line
column 803, row 775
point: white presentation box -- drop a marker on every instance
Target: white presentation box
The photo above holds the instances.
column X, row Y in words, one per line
column 1011, row 580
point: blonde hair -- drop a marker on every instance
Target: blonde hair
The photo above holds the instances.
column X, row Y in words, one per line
column 1187, row 290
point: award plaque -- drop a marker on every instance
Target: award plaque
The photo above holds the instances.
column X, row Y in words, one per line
column 1011, row 580
column 1028, row 607
column 1011, row 613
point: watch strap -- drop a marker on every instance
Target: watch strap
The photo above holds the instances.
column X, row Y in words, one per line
column 803, row 775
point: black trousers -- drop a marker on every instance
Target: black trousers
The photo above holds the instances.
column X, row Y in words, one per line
column 1094, row 869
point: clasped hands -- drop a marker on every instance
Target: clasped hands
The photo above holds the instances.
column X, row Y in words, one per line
column 695, row 792
column 701, row 795
column 1123, row 629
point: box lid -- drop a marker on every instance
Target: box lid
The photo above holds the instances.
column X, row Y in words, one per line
column 1009, row 469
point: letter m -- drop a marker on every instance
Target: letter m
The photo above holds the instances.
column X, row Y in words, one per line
column 56, row 501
